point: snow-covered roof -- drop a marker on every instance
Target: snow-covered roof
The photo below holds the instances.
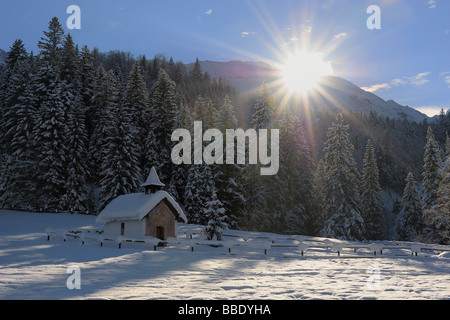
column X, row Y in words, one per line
column 136, row 206
column 153, row 179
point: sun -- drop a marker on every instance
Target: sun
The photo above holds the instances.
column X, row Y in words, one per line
column 301, row 71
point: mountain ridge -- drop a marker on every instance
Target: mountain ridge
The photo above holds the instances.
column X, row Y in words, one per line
column 334, row 91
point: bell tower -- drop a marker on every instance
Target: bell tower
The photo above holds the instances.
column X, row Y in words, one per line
column 153, row 184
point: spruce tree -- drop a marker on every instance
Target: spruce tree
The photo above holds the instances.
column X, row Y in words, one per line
column 196, row 73
column 431, row 176
column 319, row 195
column 158, row 146
column 76, row 198
column 296, row 176
column 87, row 80
column 198, row 192
column 215, row 214
column 178, row 177
column 120, row 171
column 69, row 65
column 154, row 70
column 15, row 174
column 13, row 83
column 50, row 131
column 228, row 179
column 137, row 105
column 105, row 97
column 371, row 203
column 50, row 44
column 261, row 201
column 409, row 224
column 205, row 111
column 438, row 216
column 18, row 173
column 341, row 207
column 227, row 116
column 264, row 109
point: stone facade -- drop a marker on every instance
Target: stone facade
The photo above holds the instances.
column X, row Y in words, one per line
column 161, row 222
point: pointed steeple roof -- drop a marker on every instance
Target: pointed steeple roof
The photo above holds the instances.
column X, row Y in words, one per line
column 153, row 180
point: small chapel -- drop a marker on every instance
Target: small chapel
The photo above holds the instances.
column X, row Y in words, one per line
column 153, row 213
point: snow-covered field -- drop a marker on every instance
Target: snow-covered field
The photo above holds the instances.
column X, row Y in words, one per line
column 33, row 268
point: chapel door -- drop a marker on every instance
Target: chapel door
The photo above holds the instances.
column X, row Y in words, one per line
column 160, row 233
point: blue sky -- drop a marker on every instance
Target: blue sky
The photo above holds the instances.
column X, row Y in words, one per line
column 407, row 60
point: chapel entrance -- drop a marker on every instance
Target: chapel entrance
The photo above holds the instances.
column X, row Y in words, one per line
column 160, row 233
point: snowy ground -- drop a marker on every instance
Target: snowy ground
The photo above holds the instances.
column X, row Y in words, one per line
column 33, row 268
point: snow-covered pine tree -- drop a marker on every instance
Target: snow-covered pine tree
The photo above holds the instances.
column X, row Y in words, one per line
column 371, row 203
column 50, row 44
column 342, row 213
column 13, row 83
column 105, row 97
column 137, row 105
column 178, row 73
column 215, row 214
column 264, row 109
column 228, row 177
column 183, row 119
column 196, row 73
column 50, row 131
column 76, row 198
column 18, row 172
column 227, row 116
column 154, row 71
column 198, row 192
column 87, row 76
column 319, row 196
column 296, row 176
column 120, row 171
column 144, row 64
column 69, row 64
column 158, row 145
column 431, row 177
column 439, row 215
column 87, row 81
column 205, row 111
column 258, row 189
column 254, row 212
column 15, row 55
column 192, row 194
column 409, row 224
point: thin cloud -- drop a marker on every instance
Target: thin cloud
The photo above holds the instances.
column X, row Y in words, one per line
column 341, row 35
column 416, row 80
column 377, row 87
column 446, row 77
column 209, row 12
column 245, row 34
column 431, row 4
